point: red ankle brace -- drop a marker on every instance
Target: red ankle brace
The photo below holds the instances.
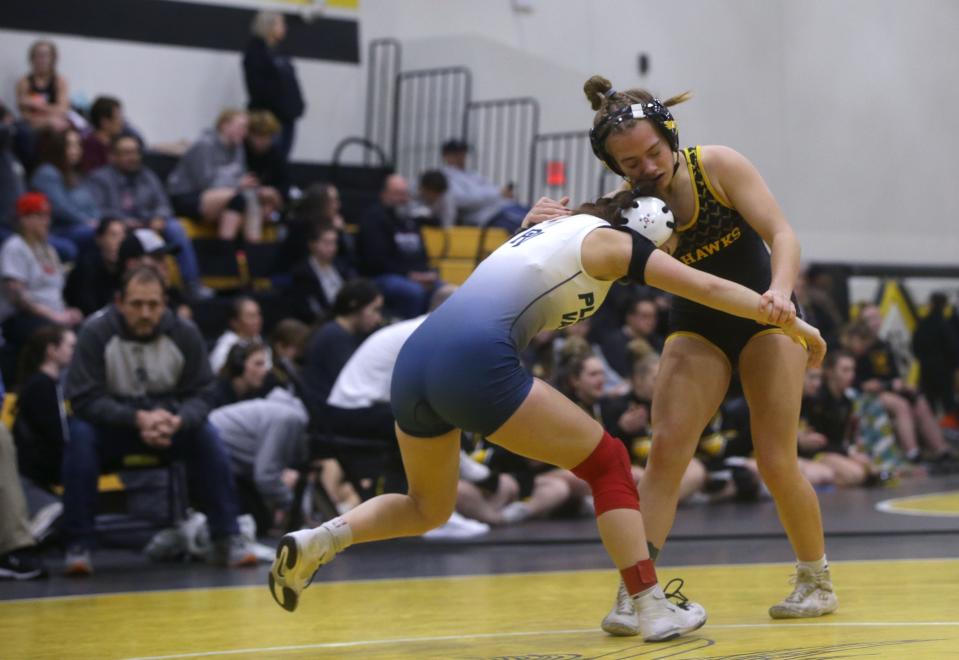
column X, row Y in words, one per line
column 639, row 577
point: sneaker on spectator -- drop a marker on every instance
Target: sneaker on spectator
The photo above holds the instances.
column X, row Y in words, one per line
column 43, row 523
column 812, row 596
column 21, row 565
column 515, row 512
column 232, row 551
column 167, row 545
column 458, row 527
column 77, row 562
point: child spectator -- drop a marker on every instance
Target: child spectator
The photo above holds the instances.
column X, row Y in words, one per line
column 265, row 160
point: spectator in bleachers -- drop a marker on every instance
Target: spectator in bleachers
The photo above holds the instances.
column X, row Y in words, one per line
column 935, row 344
column 11, row 183
column 359, row 402
column 271, row 81
column 95, row 277
column 18, row 560
column 356, row 313
column 40, row 424
column 390, row 250
column 127, row 189
column 814, row 291
column 877, row 373
column 576, row 337
column 320, row 206
column 830, row 434
column 245, row 325
column 135, row 385
column 145, row 247
column 43, row 95
column 32, row 292
column 266, row 162
column 317, row 279
column 639, row 322
column 287, row 345
column 478, row 200
column 106, row 120
column 211, row 183
column 512, row 489
column 438, row 208
column 264, row 433
column 75, row 210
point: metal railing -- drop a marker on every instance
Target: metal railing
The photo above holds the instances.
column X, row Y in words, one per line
column 501, row 134
column 429, row 108
column 383, row 66
column 577, row 172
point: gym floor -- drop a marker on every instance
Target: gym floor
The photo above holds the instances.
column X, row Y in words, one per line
column 534, row 591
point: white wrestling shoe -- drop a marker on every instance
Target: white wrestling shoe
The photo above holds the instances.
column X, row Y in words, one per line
column 621, row 620
column 812, row 596
column 653, row 616
column 300, row 554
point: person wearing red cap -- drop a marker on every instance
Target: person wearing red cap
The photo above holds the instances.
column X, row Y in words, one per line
column 32, row 275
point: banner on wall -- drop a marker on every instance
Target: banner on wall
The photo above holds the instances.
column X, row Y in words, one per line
column 899, row 319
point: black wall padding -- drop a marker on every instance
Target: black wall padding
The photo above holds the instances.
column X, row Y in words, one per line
column 179, row 24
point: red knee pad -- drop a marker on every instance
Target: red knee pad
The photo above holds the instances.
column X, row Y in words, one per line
column 608, row 472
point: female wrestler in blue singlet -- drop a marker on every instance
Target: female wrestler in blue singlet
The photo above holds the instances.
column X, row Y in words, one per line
column 725, row 217
column 461, row 370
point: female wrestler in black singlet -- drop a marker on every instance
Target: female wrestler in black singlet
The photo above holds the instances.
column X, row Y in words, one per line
column 726, row 216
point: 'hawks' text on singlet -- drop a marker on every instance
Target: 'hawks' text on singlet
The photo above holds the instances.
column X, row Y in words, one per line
column 718, row 239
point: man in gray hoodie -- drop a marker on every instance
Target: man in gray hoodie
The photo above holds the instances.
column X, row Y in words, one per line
column 135, row 386
column 211, row 182
column 128, row 190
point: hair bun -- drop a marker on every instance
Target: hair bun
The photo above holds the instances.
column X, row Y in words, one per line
column 595, row 89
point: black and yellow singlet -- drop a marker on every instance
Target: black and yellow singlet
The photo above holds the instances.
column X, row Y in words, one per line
column 718, row 240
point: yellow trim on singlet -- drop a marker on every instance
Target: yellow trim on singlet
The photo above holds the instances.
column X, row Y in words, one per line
column 699, row 337
column 709, row 184
column 777, row 331
column 692, row 182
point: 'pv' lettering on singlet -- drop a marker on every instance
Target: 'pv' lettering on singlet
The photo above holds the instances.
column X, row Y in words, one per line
column 536, row 281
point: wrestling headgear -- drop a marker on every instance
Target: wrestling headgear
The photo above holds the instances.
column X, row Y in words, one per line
column 654, row 111
column 649, row 217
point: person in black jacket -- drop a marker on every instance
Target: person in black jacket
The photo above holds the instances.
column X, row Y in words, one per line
column 317, row 279
column 95, row 278
column 935, row 344
column 39, row 428
column 390, row 250
column 271, row 81
column 356, row 313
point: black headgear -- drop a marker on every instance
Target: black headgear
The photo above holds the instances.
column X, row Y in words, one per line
column 654, row 111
